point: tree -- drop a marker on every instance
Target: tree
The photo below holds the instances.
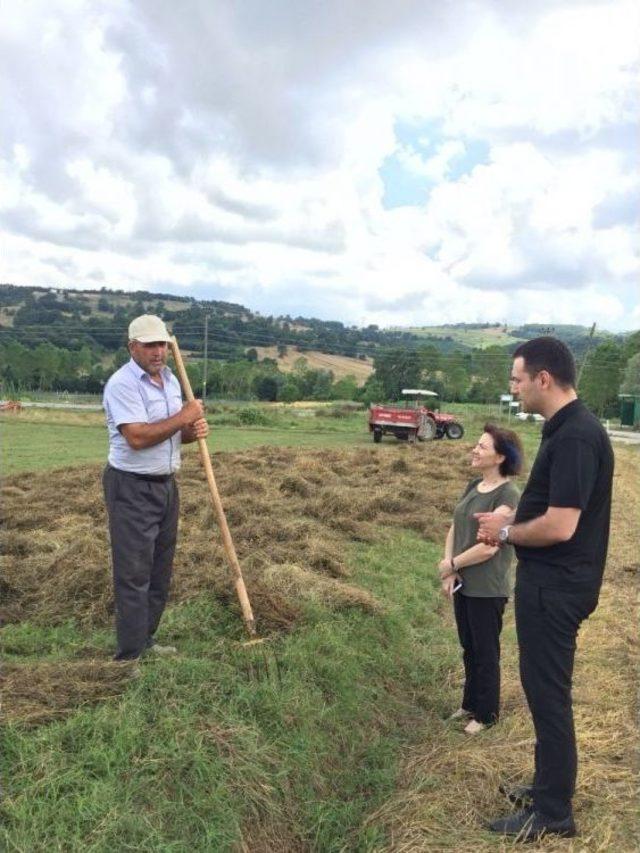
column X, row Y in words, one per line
column 322, row 382
column 194, row 372
column 456, row 375
column 121, row 357
column 16, row 363
column 372, row 391
column 490, row 374
column 84, row 360
column 631, row 345
column 397, row 369
column 631, row 376
column 290, row 391
column 236, row 379
column 345, row 388
column 266, row 387
column 601, row 378
column 282, row 350
column 47, row 362
column 431, row 361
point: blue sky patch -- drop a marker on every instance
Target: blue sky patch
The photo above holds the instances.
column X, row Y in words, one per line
column 404, row 187
column 476, row 152
column 401, row 186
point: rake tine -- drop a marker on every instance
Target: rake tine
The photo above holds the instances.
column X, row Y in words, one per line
column 262, row 664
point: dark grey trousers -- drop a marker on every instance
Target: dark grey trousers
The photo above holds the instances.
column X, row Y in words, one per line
column 143, row 525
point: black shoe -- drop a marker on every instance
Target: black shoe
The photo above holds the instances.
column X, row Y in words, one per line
column 519, row 795
column 528, row 825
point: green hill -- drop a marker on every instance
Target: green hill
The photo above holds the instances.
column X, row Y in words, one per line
column 472, row 336
column 482, row 335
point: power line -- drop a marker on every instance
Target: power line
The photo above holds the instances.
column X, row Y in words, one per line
column 408, row 350
column 257, row 338
column 446, row 359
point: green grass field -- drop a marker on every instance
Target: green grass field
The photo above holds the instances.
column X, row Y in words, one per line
column 36, row 446
column 45, row 439
column 194, row 754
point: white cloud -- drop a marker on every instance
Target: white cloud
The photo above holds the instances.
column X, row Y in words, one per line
column 240, row 146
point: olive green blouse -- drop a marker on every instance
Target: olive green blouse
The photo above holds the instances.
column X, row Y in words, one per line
column 494, row 577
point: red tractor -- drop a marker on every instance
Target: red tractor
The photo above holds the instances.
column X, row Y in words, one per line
column 413, row 420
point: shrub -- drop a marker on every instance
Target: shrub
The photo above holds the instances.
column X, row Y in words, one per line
column 252, row 417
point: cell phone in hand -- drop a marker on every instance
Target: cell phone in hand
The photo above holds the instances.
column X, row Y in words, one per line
column 456, row 587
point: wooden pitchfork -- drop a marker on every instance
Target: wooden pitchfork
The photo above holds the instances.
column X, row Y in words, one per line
column 229, row 548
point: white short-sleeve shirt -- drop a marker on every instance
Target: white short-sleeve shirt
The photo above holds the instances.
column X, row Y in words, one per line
column 131, row 397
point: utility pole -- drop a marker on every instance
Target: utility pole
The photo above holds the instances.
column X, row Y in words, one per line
column 204, row 364
column 586, row 353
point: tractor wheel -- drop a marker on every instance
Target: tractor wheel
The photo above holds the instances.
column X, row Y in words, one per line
column 377, row 436
column 454, row 430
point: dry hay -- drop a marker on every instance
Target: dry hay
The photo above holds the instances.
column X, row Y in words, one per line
column 291, row 513
column 38, row 693
column 449, row 786
column 298, row 584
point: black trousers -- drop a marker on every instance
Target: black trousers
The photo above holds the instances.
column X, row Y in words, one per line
column 547, row 623
column 143, row 525
column 479, row 622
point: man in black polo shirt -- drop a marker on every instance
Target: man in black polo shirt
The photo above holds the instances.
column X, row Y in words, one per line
column 560, row 532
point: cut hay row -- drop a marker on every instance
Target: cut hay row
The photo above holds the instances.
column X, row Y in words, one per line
column 53, row 690
column 450, row 783
column 292, row 515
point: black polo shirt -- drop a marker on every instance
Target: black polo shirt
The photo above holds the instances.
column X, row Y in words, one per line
column 573, row 468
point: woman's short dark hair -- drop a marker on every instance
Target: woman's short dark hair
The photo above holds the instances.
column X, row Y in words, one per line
column 507, row 443
column 548, row 354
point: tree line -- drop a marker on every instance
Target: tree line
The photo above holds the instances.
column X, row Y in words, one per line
column 74, row 340
column 479, row 376
column 483, row 375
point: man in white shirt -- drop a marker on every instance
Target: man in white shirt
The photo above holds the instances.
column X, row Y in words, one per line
column 147, row 423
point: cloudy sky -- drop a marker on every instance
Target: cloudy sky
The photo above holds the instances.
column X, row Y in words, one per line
column 372, row 161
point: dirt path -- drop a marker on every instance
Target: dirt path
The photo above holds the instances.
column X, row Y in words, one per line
column 449, row 786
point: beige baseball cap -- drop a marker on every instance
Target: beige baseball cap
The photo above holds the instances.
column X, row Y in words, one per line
column 148, row 329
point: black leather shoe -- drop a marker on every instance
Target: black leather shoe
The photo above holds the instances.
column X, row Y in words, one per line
column 528, row 825
column 519, row 795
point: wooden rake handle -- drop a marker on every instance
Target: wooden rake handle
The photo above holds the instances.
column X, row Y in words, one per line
column 230, row 551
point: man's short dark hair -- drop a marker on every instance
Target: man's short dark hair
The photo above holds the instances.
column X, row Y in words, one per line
column 548, row 354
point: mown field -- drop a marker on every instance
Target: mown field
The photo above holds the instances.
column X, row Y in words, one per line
column 349, row 749
column 340, row 365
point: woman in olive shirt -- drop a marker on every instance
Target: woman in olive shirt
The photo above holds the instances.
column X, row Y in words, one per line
column 484, row 571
